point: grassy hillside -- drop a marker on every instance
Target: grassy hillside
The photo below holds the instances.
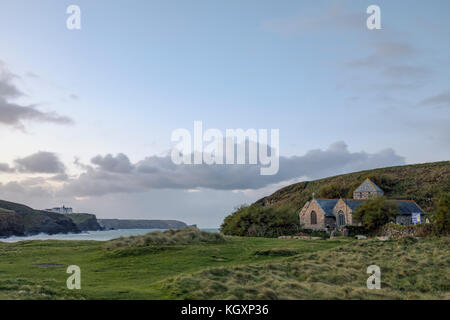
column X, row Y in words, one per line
column 248, row 268
column 418, row 182
column 33, row 221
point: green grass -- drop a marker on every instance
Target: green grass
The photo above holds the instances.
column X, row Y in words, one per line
column 5, row 211
column 410, row 269
column 136, row 273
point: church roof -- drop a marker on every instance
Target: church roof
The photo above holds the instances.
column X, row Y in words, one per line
column 408, row 207
column 327, row 206
column 368, row 186
column 404, row 206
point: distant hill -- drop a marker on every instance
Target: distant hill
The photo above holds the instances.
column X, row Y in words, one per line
column 418, row 182
column 141, row 224
column 18, row 219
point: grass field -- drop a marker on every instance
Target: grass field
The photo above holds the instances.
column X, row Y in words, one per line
column 238, row 268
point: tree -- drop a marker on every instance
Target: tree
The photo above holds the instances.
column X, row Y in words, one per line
column 375, row 213
column 441, row 217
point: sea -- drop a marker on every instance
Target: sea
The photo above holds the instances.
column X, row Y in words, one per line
column 90, row 235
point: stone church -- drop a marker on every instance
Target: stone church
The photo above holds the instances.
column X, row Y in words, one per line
column 328, row 214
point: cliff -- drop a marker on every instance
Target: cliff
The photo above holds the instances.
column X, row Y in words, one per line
column 85, row 221
column 18, row 219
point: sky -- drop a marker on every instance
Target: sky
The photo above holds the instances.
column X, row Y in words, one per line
column 86, row 116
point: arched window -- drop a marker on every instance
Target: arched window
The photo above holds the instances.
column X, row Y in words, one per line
column 313, row 217
column 341, row 219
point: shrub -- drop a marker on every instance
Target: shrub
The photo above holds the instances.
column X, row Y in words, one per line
column 375, row 213
column 170, row 237
column 333, row 190
column 259, row 221
column 441, row 217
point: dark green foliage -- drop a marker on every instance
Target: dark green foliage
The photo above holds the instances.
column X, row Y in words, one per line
column 355, row 230
column 441, row 217
column 257, row 221
column 333, row 190
column 375, row 213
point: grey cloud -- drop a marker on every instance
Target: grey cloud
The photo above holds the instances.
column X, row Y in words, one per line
column 14, row 114
column 161, row 173
column 440, row 100
column 40, row 162
column 4, row 167
column 121, row 163
column 23, row 191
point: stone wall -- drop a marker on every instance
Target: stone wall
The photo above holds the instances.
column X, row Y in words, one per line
column 342, row 206
column 403, row 219
column 305, row 216
column 367, row 194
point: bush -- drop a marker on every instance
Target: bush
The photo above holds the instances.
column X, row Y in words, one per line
column 259, row 221
column 333, row 190
column 356, row 230
column 170, row 237
column 375, row 213
column 441, row 217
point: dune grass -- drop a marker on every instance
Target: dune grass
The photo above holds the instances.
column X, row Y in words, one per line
column 181, row 236
column 410, row 269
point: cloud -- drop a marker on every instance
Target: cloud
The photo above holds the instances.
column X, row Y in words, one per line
column 14, row 114
column 4, row 167
column 118, row 175
column 440, row 100
column 40, row 162
column 22, row 191
column 120, row 163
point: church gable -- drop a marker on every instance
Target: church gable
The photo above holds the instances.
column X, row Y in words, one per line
column 367, row 190
column 315, row 212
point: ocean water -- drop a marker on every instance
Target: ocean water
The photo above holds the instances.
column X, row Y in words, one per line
column 89, row 235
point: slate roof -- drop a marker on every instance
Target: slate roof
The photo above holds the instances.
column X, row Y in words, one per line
column 353, row 203
column 327, row 206
column 408, row 207
column 404, row 206
column 368, row 186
